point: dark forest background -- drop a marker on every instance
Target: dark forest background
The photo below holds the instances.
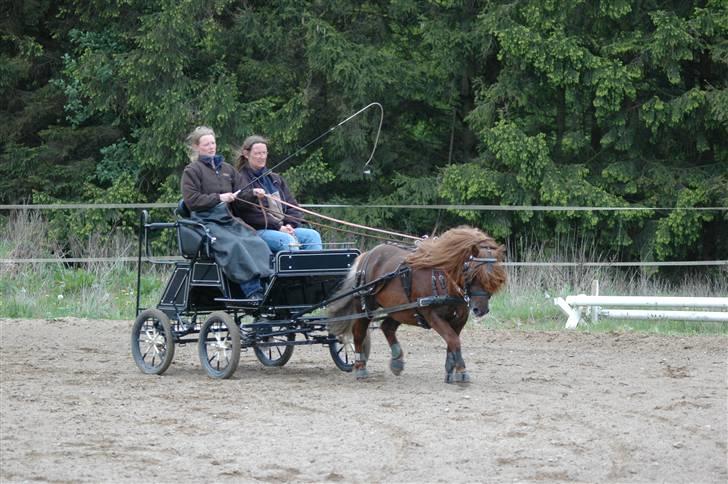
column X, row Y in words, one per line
column 561, row 103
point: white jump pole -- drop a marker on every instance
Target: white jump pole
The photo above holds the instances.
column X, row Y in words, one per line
column 648, row 301
column 573, row 306
column 715, row 316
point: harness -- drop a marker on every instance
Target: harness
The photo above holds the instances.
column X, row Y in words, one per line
column 367, row 290
column 469, row 273
column 404, row 272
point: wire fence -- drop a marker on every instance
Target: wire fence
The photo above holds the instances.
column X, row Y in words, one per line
column 502, row 208
column 170, row 259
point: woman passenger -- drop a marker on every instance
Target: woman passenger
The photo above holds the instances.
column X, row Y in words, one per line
column 278, row 224
column 209, row 187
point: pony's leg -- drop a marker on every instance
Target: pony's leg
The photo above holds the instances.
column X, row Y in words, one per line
column 389, row 328
column 360, row 333
column 461, row 375
column 455, row 371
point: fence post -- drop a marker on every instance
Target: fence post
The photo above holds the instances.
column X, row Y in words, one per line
column 595, row 310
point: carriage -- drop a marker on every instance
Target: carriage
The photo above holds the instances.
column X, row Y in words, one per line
column 199, row 304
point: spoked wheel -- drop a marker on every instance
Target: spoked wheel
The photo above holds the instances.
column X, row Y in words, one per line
column 343, row 354
column 152, row 342
column 219, row 345
column 343, row 357
column 279, row 352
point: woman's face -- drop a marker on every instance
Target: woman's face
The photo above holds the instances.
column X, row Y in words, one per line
column 257, row 156
column 207, row 145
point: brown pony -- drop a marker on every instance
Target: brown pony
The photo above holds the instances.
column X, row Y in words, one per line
column 432, row 286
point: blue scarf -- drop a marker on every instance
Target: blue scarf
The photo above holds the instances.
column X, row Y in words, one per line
column 214, row 162
column 265, row 181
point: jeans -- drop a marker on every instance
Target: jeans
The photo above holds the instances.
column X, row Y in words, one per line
column 251, row 286
column 277, row 241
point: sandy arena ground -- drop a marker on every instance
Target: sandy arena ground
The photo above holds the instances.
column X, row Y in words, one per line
column 545, row 407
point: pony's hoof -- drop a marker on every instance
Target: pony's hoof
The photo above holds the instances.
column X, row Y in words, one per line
column 462, row 377
column 361, row 373
column 397, row 366
column 457, row 377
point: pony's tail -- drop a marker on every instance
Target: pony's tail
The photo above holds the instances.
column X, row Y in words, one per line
column 343, row 306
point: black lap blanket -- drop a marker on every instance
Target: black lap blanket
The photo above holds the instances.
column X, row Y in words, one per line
column 238, row 250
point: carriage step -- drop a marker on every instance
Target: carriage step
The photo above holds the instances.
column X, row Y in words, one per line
column 239, row 302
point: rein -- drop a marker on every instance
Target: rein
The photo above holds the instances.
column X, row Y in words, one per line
column 382, row 313
column 318, row 224
column 342, row 222
column 358, row 289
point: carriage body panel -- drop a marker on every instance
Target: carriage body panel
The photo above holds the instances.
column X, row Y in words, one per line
column 300, row 279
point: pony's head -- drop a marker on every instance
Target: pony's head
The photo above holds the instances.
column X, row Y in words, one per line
column 483, row 276
column 471, row 258
column 485, row 266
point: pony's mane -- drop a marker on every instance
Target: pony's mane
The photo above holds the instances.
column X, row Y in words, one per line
column 453, row 248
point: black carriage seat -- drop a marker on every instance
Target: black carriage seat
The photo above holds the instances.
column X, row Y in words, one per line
column 192, row 237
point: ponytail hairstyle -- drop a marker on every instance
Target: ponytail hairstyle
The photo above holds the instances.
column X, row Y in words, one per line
column 242, row 158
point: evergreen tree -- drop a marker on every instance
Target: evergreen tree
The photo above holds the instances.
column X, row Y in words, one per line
column 612, row 103
column 617, row 104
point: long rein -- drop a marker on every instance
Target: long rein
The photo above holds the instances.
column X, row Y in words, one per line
column 335, row 220
column 470, row 265
column 435, row 300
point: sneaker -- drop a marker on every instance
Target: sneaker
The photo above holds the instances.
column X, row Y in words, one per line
column 257, row 296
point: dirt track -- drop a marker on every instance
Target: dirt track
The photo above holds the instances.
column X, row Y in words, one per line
column 542, row 407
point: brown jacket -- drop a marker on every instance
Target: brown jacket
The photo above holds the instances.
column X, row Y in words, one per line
column 255, row 217
column 202, row 185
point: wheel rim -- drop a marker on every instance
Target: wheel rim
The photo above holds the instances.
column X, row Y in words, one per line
column 342, row 355
column 275, row 352
column 219, row 345
column 152, row 342
column 220, row 349
column 279, row 351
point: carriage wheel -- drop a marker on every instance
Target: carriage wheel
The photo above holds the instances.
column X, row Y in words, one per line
column 219, row 345
column 280, row 352
column 152, row 342
column 344, row 357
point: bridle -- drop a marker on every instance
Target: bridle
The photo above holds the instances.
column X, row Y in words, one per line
column 469, row 270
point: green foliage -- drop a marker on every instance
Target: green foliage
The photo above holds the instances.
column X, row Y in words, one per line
column 590, row 109
column 305, row 178
column 72, row 280
column 617, row 104
column 106, row 292
column 411, row 191
column 95, row 225
column 116, row 162
column 682, row 226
